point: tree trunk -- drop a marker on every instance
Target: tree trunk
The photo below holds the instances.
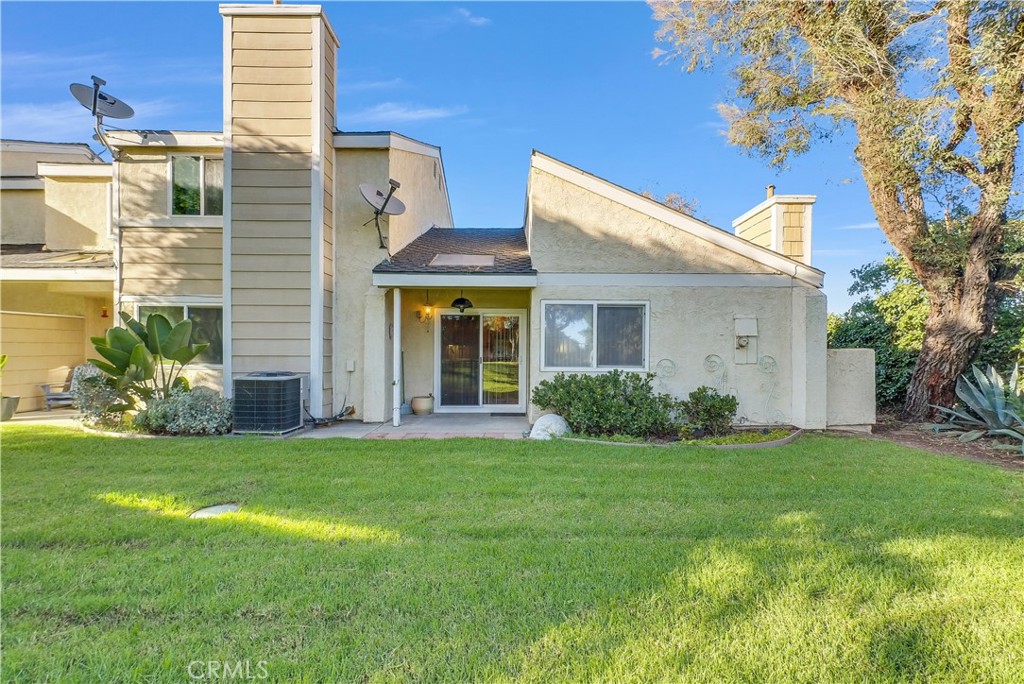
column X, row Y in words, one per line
column 957, row 324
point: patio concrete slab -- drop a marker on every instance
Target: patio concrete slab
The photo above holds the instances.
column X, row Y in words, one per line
column 433, row 426
column 59, row 417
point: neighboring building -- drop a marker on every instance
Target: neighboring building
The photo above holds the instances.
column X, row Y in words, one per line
column 261, row 237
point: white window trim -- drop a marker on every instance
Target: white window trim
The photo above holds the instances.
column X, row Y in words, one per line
column 593, row 367
column 185, row 303
column 202, row 186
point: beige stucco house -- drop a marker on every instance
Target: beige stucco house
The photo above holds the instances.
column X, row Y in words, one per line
column 259, row 234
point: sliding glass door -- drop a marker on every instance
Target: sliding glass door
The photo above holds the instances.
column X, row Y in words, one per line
column 480, row 361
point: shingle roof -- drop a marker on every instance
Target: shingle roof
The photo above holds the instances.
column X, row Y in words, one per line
column 506, row 245
column 37, row 256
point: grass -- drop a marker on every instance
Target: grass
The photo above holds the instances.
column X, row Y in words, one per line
column 829, row 560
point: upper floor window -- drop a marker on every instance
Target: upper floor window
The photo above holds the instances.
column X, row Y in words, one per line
column 594, row 335
column 197, row 186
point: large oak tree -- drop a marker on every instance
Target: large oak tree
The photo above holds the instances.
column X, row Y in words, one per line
column 934, row 94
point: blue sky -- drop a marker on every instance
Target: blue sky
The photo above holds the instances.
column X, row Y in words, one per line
column 487, row 82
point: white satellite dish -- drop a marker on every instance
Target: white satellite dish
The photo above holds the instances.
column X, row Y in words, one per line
column 382, row 204
column 100, row 103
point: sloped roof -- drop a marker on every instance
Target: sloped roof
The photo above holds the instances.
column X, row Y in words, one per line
column 507, row 246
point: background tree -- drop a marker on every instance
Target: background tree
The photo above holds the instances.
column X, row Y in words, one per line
column 934, row 93
column 889, row 317
column 674, row 200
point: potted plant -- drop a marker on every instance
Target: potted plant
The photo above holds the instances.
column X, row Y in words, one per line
column 422, row 406
column 9, row 404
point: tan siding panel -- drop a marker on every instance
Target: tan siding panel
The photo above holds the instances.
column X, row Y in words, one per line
column 259, row 279
column 270, row 229
column 282, row 144
column 271, row 161
column 271, row 263
column 198, row 238
column 260, row 212
column 276, row 297
column 272, row 58
column 272, row 76
column 275, row 127
column 171, row 287
column 170, row 255
column 269, row 41
column 270, row 110
column 249, row 364
column 257, row 92
column 42, row 349
column 268, row 312
column 275, row 245
column 271, row 348
column 285, row 178
column 273, row 25
column 285, row 195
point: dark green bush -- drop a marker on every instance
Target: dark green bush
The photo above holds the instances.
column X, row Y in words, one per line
column 613, row 403
column 708, row 412
column 199, row 411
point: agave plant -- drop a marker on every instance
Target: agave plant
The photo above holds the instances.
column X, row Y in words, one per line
column 989, row 407
column 145, row 361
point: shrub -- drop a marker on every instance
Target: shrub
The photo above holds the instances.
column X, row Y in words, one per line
column 988, row 407
column 95, row 395
column 708, row 411
column 200, row 411
column 609, row 404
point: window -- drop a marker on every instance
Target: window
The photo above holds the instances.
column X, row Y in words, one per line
column 207, row 324
column 197, row 186
column 594, row 335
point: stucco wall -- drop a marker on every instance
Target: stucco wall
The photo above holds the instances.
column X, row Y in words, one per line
column 15, row 162
column 77, row 211
column 692, row 329
column 574, row 230
column 851, row 387
column 23, row 217
column 424, row 194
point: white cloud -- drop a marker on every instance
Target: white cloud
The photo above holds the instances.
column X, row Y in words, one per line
column 360, row 86
column 393, row 112
column 869, row 225
column 61, row 121
column 465, row 15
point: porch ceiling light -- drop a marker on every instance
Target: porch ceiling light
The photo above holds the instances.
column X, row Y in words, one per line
column 461, row 303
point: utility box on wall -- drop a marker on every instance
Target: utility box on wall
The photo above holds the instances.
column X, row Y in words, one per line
column 746, row 339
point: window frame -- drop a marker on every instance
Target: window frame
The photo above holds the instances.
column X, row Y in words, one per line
column 593, row 367
column 185, row 304
column 202, row 185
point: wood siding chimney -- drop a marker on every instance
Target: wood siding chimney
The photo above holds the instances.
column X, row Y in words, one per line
column 279, row 72
column 781, row 223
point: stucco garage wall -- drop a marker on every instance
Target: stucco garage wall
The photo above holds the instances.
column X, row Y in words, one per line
column 851, row 387
column 690, row 326
column 77, row 211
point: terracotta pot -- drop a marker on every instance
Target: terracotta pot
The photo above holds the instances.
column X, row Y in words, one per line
column 422, row 406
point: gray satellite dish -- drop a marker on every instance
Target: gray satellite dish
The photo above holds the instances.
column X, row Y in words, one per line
column 382, row 204
column 100, row 103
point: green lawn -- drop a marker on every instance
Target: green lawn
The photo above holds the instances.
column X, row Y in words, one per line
column 833, row 559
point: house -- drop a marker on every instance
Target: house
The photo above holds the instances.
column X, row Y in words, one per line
column 260, row 235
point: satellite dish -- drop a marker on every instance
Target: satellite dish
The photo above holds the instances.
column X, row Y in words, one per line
column 382, row 204
column 100, row 103
column 385, row 204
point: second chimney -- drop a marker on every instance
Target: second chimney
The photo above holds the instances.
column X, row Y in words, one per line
column 781, row 223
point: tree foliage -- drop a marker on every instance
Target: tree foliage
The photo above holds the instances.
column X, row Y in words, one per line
column 890, row 317
column 934, row 94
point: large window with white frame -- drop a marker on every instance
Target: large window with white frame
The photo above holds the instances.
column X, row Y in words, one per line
column 593, row 335
column 197, row 185
column 207, row 326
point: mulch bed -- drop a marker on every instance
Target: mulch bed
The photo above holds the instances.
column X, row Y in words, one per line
column 914, row 435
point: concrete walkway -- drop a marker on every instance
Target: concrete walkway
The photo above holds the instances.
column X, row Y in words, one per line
column 58, row 417
column 433, row 426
